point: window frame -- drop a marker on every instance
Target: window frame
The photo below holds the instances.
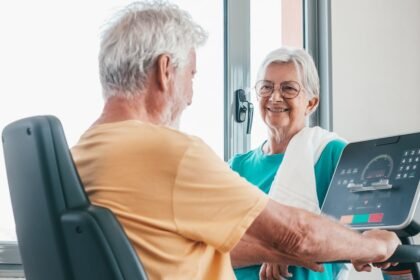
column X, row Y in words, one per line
column 11, row 263
column 237, row 44
column 316, row 40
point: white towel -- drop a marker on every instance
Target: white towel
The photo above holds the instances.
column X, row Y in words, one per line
column 294, row 183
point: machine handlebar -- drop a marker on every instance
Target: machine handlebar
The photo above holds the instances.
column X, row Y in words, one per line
column 403, row 254
column 406, row 254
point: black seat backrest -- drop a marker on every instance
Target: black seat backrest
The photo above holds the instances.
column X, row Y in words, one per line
column 60, row 234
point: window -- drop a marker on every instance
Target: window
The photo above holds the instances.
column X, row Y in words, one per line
column 205, row 117
column 273, row 24
column 49, row 65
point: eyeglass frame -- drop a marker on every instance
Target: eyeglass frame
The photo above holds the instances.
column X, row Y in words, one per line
column 280, row 88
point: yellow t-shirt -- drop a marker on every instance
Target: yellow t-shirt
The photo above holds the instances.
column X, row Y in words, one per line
column 181, row 206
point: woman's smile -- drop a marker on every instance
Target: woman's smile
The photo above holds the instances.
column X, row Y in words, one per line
column 277, row 110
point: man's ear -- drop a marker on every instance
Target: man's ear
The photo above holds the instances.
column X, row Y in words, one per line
column 312, row 104
column 164, row 71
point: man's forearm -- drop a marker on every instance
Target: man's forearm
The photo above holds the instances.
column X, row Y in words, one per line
column 302, row 237
column 250, row 251
column 272, row 238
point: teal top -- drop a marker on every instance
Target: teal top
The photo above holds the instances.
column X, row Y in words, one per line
column 260, row 169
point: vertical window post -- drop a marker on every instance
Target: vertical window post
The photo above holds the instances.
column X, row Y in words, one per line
column 317, row 41
column 237, row 69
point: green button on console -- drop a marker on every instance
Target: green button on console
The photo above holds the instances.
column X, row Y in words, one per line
column 362, row 218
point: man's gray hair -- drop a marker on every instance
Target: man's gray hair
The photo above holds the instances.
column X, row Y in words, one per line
column 304, row 65
column 135, row 38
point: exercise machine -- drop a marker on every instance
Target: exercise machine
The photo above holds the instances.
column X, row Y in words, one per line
column 376, row 185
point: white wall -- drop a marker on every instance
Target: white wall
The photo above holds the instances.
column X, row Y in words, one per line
column 376, row 67
column 375, row 71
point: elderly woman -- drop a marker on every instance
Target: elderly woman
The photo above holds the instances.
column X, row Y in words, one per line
column 296, row 163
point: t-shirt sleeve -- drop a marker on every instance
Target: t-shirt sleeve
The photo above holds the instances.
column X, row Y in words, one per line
column 234, row 163
column 336, row 148
column 325, row 167
column 211, row 203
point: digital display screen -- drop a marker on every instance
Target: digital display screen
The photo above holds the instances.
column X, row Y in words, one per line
column 373, row 174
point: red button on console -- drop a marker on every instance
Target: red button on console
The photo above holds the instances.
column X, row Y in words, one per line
column 376, row 218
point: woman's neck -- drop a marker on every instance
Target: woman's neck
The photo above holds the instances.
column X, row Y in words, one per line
column 275, row 146
column 278, row 140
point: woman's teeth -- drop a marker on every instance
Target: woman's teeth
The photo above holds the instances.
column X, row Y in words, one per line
column 278, row 110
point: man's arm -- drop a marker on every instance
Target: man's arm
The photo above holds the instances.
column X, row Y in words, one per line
column 283, row 234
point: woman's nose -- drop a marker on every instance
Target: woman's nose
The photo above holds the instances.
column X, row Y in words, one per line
column 276, row 96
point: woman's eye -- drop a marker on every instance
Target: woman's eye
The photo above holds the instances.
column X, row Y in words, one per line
column 289, row 88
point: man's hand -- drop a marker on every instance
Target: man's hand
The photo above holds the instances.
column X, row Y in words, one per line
column 284, row 234
column 386, row 243
column 276, row 271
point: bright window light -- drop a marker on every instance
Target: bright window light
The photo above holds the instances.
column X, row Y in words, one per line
column 48, row 65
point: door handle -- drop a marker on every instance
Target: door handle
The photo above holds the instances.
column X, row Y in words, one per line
column 250, row 117
column 244, row 109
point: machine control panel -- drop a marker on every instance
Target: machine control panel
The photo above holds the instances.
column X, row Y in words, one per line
column 376, row 183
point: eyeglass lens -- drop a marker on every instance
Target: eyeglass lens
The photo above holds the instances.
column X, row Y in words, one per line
column 288, row 89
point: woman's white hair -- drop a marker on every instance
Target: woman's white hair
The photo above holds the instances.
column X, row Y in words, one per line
column 304, row 65
column 135, row 38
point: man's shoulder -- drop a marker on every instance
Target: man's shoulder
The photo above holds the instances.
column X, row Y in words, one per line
column 168, row 134
column 174, row 138
column 139, row 136
column 148, row 131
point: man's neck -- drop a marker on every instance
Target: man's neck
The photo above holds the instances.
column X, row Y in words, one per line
column 118, row 109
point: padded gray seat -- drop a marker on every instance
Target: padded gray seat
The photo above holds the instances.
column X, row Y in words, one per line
column 60, row 234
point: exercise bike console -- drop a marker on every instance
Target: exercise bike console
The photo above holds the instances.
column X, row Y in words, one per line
column 376, row 185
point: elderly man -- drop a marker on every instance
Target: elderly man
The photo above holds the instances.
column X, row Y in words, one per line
column 181, row 206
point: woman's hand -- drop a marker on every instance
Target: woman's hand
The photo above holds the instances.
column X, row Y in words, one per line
column 277, row 271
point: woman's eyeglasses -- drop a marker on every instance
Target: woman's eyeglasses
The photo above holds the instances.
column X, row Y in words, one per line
column 288, row 89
